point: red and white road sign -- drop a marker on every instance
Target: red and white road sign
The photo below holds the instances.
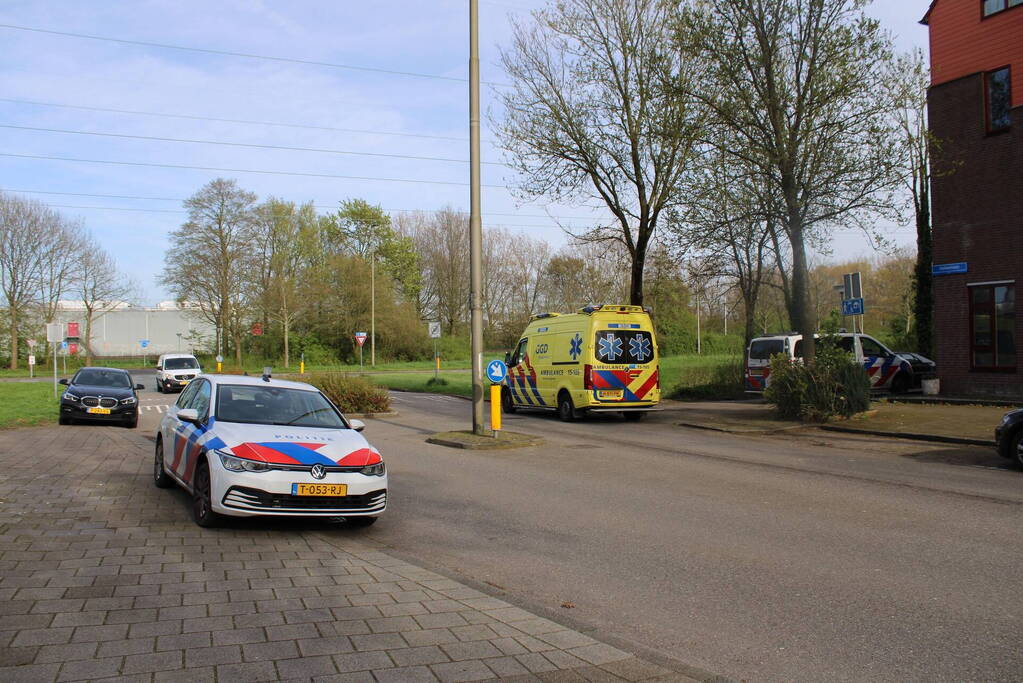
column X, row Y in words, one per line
column 31, row 343
column 360, row 338
column 257, row 329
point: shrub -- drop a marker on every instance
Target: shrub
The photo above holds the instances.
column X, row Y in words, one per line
column 833, row 384
column 351, row 393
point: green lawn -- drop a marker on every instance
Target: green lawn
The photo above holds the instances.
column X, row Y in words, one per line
column 27, row 403
column 458, row 383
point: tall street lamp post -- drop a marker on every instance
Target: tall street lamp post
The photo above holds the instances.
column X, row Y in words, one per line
column 475, row 225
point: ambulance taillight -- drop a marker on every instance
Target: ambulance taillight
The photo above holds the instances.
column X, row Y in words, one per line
column 588, row 377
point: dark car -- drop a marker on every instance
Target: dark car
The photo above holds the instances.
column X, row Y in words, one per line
column 1008, row 435
column 100, row 395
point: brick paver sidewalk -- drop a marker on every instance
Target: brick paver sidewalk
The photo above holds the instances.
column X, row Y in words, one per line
column 105, row 577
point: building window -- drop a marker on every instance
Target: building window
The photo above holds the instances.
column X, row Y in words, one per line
column 999, row 99
column 993, row 327
column 996, row 6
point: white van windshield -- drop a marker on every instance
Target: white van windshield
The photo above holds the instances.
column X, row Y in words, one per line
column 180, row 364
column 624, row 347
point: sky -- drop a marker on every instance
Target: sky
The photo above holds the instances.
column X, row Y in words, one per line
column 390, row 80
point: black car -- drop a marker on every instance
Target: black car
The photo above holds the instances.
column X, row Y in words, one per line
column 1008, row 435
column 100, row 395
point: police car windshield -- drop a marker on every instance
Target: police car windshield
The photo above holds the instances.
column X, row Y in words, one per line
column 103, row 378
column 180, row 364
column 276, row 406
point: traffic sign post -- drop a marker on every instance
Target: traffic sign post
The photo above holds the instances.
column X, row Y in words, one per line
column 360, row 339
column 144, row 343
column 497, row 371
column 434, row 328
column 31, row 364
column 852, row 299
column 220, row 360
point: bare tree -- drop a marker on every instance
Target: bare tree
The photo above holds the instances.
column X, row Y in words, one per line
column 910, row 80
column 444, row 251
column 100, row 286
column 207, row 259
column 37, row 247
column 803, row 84
column 589, row 115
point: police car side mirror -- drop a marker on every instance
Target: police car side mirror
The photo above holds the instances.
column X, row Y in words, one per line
column 357, row 425
column 189, row 415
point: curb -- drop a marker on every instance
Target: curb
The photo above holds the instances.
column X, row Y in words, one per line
column 937, row 438
column 725, row 430
column 497, row 445
column 369, row 416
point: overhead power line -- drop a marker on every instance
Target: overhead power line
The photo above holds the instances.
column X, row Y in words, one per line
column 318, row 206
column 240, row 170
column 223, row 120
column 155, row 138
column 180, row 212
column 246, row 55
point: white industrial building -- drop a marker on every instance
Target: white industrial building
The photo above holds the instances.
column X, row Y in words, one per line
column 169, row 327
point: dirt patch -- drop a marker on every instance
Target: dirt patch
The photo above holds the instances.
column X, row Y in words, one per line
column 975, row 423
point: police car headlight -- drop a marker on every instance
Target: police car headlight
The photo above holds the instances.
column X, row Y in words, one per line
column 376, row 470
column 130, row 401
column 233, row 464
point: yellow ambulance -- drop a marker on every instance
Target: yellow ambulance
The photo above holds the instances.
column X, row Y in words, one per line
column 602, row 358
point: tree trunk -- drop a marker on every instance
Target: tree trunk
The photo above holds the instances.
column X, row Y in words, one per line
column 14, row 338
column 287, row 350
column 750, row 318
column 800, row 313
column 88, row 336
column 638, row 263
column 923, row 305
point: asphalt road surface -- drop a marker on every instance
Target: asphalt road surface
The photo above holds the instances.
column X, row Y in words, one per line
column 796, row 557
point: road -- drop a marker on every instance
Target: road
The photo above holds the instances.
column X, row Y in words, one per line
column 800, row 557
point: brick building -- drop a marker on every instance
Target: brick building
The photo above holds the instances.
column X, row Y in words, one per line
column 976, row 114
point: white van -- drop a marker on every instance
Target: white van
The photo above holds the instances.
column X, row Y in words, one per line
column 886, row 369
column 175, row 371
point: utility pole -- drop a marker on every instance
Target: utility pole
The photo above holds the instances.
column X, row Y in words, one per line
column 475, row 225
column 372, row 312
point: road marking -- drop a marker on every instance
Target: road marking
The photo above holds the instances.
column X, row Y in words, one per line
column 158, row 408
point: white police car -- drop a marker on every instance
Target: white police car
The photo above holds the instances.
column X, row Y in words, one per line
column 245, row 446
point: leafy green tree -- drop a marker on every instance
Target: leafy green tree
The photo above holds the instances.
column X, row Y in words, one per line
column 589, row 116
column 803, row 84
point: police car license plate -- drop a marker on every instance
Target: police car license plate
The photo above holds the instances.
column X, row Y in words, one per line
column 319, row 489
column 99, row 411
column 610, row 395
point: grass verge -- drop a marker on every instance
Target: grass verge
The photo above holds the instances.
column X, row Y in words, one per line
column 23, row 404
column 702, row 378
column 456, row 383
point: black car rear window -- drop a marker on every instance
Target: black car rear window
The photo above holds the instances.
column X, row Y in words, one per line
column 763, row 349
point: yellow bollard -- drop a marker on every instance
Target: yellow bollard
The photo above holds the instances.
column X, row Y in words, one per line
column 301, row 368
column 437, row 362
column 495, row 408
column 219, row 368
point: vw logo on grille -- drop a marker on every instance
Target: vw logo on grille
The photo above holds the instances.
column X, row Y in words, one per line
column 318, row 472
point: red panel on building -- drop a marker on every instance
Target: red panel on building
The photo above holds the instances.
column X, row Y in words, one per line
column 72, row 330
column 964, row 42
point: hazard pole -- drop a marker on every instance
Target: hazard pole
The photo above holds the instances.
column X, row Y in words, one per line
column 475, row 224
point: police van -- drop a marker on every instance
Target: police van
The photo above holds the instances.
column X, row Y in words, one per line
column 887, row 370
column 601, row 358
